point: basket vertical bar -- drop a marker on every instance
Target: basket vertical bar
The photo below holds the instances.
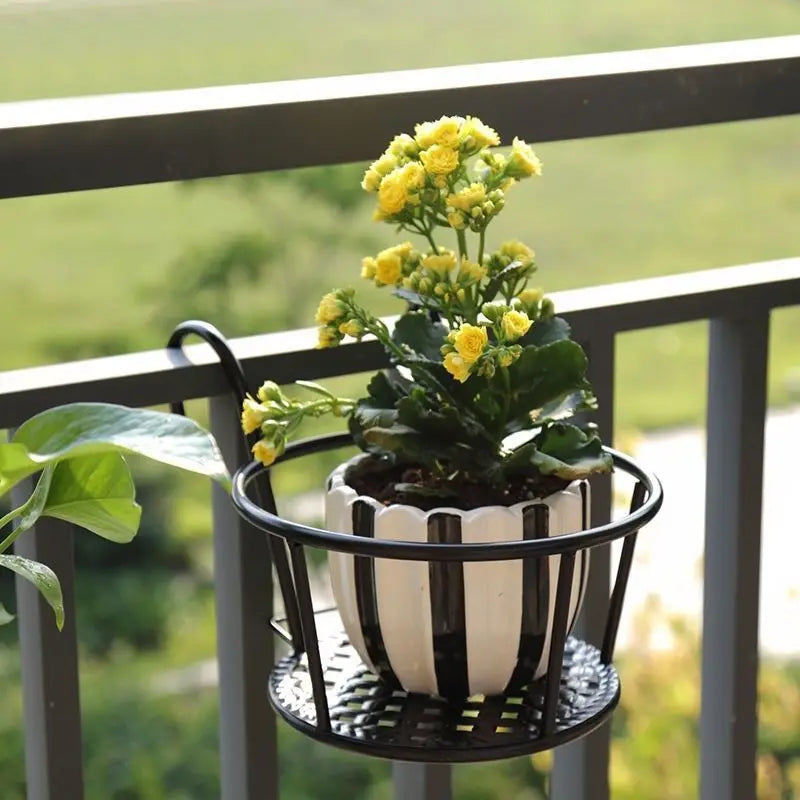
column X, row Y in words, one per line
column 309, row 627
column 737, row 390
column 580, row 769
column 566, row 570
column 243, row 596
column 621, row 583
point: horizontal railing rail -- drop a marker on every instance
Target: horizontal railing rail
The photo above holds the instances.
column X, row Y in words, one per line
column 49, row 146
column 160, row 376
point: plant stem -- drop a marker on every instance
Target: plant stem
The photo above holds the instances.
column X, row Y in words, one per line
column 480, row 245
column 462, row 243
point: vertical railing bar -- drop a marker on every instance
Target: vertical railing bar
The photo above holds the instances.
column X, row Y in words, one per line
column 49, row 665
column 566, row 569
column 309, row 628
column 243, row 596
column 422, row 781
column 580, row 769
column 621, row 582
column 737, row 389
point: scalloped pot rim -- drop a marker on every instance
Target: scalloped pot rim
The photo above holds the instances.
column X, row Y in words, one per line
column 338, row 487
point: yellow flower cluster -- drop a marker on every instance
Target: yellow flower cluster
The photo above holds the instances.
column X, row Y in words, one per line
column 336, row 318
column 430, row 158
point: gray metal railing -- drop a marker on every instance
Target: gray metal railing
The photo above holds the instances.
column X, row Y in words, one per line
column 84, row 143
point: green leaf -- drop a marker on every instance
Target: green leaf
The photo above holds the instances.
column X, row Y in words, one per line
column 27, row 514
column 493, row 287
column 441, row 492
column 42, row 577
column 546, row 331
column 97, row 493
column 445, row 422
column 5, row 617
column 545, row 375
column 419, row 332
column 81, row 429
column 412, row 447
column 570, row 453
column 564, row 408
column 316, row 388
column 415, row 299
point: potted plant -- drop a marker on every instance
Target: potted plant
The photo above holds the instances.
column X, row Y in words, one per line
column 83, row 477
column 470, row 435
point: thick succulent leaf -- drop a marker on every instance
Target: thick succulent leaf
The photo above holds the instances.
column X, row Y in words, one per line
column 415, row 299
column 426, row 492
column 42, row 577
column 546, row 331
column 96, row 493
column 570, row 453
column 564, row 408
column 419, row 332
column 5, row 616
column 412, row 447
column 493, row 287
column 546, row 375
column 82, row 429
column 444, row 422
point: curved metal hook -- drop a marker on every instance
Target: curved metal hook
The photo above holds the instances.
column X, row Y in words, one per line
column 238, row 385
column 212, row 336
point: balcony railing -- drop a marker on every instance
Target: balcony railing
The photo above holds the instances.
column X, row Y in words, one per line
column 87, row 143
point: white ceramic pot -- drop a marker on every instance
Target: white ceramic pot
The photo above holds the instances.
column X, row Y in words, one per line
column 453, row 629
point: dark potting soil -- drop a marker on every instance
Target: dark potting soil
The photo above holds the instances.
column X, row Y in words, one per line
column 418, row 486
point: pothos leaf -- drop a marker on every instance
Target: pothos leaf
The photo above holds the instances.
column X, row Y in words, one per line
column 42, row 577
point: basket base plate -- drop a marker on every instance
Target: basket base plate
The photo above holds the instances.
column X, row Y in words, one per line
column 372, row 719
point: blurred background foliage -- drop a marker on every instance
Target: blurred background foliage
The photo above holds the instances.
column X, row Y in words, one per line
column 105, row 272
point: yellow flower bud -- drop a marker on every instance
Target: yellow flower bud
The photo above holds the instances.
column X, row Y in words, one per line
column 368, row 268
column 469, row 341
column 266, row 452
column 470, row 271
column 439, row 161
column 457, row 220
column 327, row 337
column 516, row 251
column 252, row 415
column 352, row 328
column 371, row 181
column 523, row 161
column 330, row 309
column 444, row 132
column 505, row 358
column 392, row 194
column 475, row 134
column 461, row 295
column 385, row 164
column 472, row 195
column 456, row 366
column 388, row 267
column 531, row 297
column 270, row 390
column 514, row 324
column 440, row 263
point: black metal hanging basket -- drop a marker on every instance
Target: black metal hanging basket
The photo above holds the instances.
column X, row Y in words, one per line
column 324, row 689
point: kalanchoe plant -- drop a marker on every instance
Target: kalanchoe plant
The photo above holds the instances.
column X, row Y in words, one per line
column 78, row 452
column 478, row 355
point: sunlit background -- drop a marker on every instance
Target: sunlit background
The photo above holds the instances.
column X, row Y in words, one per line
column 105, row 272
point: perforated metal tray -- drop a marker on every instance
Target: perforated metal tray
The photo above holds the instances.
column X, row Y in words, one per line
column 369, row 717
